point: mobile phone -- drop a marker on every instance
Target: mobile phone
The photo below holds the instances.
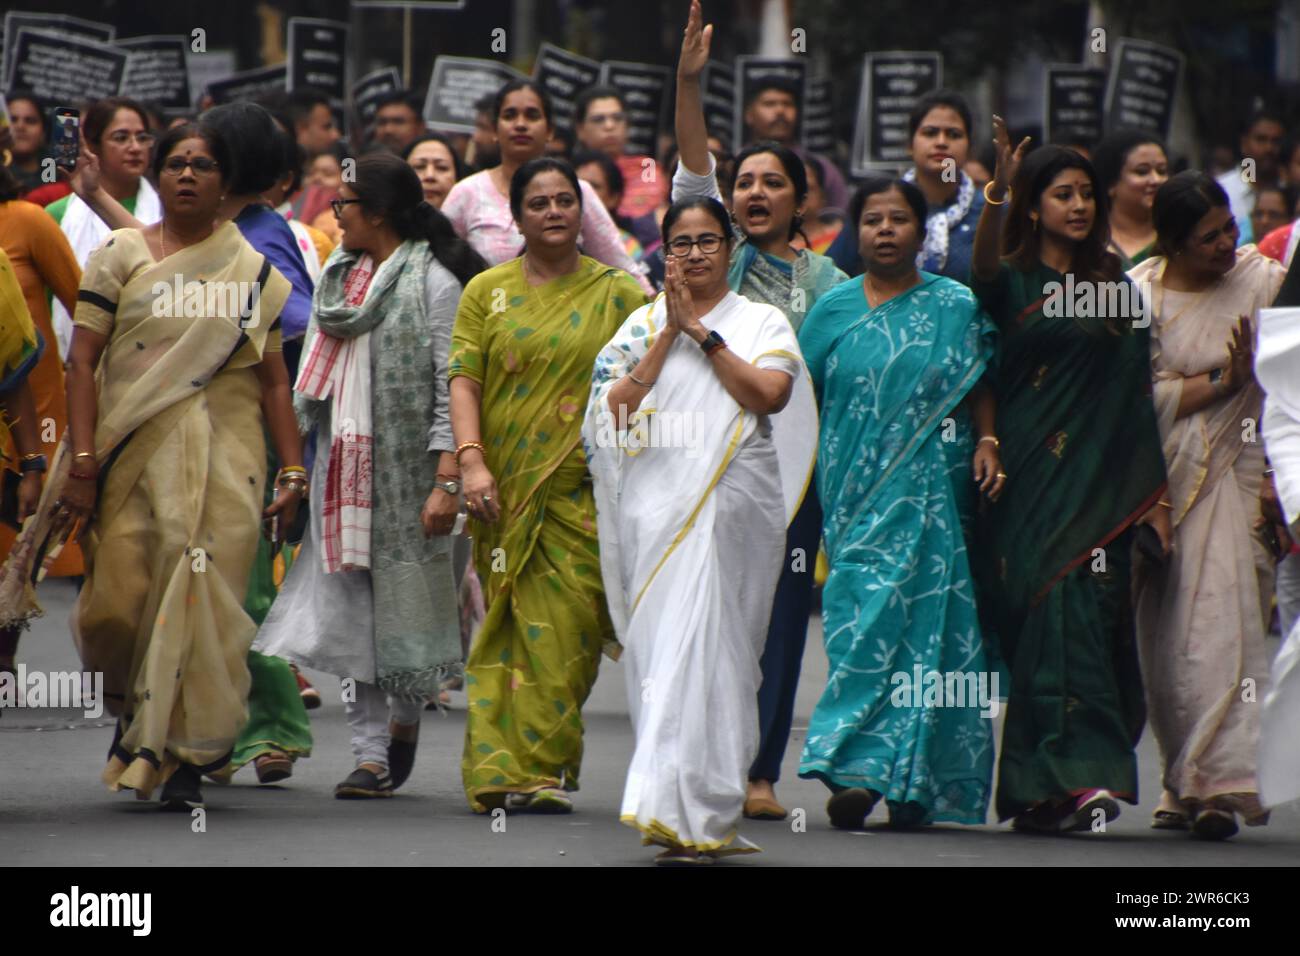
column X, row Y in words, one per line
column 65, row 140
column 4, row 113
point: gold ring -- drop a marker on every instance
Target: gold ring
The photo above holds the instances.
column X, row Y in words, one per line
column 1002, row 474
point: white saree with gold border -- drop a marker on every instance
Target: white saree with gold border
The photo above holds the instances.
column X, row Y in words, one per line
column 693, row 499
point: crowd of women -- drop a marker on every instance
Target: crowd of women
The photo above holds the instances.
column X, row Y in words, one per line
column 488, row 427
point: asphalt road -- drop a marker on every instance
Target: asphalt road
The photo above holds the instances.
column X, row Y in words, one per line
column 54, row 810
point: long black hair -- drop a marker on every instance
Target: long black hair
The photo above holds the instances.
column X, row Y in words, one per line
column 388, row 187
column 1020, row 238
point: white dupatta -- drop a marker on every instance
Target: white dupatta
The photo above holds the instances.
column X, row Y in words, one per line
column 86, row 232
column 1277, row 366
column 687, row 402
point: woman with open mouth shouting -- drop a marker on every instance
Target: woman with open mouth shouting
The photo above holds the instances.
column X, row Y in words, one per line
column 770, row 189
column 479, row 205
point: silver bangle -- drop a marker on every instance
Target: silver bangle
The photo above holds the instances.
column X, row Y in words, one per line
column 633, row 377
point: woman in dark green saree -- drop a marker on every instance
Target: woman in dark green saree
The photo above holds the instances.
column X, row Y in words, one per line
column 1081, row 449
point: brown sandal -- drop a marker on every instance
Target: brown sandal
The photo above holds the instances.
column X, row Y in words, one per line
column 273, row 767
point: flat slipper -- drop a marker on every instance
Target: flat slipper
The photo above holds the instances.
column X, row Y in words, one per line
column 678, row 856
column 1213, row 824
column 1169, row 820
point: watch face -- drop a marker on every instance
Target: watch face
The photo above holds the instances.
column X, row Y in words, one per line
column 451, row 487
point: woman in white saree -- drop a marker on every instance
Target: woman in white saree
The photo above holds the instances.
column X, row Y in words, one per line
column 696, row 478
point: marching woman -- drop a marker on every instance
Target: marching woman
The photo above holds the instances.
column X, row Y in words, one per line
column 1203, row 616
column 767, row 200
column 163, row 463
column 692, row 526
column 1080, row 446
column 526, row 336
column 372, row 595
column 897, row 356
column 479, row 206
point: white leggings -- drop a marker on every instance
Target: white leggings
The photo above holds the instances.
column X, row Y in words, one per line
column 368, row 717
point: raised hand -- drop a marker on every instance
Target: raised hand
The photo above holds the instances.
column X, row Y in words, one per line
column 1241, row 357
column 1008, row 159
column 695, row 44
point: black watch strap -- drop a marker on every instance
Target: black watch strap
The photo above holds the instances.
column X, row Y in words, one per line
column 711, row 341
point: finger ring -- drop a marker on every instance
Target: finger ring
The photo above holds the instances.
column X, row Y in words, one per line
column 487, row 498
column 1002, row 474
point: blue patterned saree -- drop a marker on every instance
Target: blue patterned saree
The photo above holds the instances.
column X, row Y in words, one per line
column 907, row 706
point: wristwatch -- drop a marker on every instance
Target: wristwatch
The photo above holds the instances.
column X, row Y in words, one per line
column 32, row 463
column 1216, row 380
column 451, row 487
column 712, row 342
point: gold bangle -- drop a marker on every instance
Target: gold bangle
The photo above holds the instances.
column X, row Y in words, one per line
column 84, row 454
column 995, row 202
column 36, row 454
column 992, row 438
column 463, row 446
column 1164, row 504
column 639, row 382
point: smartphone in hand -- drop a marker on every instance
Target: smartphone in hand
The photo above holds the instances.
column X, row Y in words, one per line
column 65, row 139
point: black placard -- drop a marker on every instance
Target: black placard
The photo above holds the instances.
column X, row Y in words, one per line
column 318, row 56
column 370, row 89
column 248, row 85
column 751, row 72
column 458, row 83
column 65, row 70
column 645, row 97
column 718, row 91
column 1074, row 103
column 1143, row 84
column 564, row 75
column 818, row 117
column 892, row 82
column 57, row 23
column 157, row 72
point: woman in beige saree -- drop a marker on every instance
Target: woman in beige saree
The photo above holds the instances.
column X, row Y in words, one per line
column 1203, row 615
column 174, row 361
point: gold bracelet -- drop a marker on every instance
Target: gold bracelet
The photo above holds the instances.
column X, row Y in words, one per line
column 639, row 382
column 470, row 444
column 1164, row 504
column 36, row 454
column 84, row 454
column 995, row 202
column 992, row 438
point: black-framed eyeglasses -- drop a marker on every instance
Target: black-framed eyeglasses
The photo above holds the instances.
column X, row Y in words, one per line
column 201, row 165
column 338, row 204
column 709, row 243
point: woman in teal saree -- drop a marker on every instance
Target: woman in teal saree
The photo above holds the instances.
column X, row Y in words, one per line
column 1081, row 447
column 894, row 356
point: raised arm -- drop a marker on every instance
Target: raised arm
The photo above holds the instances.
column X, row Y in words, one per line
column 692, row 133
column 85, row 183
column 986, row 256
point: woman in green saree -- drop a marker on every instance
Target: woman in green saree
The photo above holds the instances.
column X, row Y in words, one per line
column 1082, row 454
column 526, row 338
